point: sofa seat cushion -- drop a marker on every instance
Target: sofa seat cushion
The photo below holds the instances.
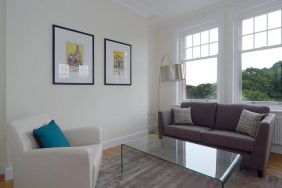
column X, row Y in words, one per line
column 228, row 139
column 192, row 133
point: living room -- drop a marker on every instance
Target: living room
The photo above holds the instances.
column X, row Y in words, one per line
column 229, row 52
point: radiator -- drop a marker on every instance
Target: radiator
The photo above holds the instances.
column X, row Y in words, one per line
column 277, row 133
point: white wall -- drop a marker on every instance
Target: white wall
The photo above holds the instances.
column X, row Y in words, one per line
column 152, row 77
column 119, row 110
column 2, row 84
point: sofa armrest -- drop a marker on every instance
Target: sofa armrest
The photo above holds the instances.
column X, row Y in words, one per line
column 165, row 118
column 83, row 136
column 263, row 140
column 56, row 167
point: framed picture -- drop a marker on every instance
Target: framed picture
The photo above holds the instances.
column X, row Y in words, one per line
column 117, row 63
column 73, row 56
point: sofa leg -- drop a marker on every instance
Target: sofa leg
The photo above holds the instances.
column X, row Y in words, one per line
column 260, row 173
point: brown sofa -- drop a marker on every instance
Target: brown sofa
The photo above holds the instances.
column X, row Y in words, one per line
column 215, row 125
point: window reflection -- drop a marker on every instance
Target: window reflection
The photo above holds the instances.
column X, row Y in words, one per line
column 64, row 71
column 200, row 158
column 83, row 71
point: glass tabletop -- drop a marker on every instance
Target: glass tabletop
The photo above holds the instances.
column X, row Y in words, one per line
column 214, row 163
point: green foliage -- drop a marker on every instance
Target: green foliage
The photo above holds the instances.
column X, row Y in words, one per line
column 257, row 85
column 262, row 84
column 202, row 91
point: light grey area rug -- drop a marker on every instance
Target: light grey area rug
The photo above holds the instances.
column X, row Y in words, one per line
column 144, row 171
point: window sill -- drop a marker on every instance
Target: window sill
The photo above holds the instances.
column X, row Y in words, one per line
column 274, row 106
column 199, row 100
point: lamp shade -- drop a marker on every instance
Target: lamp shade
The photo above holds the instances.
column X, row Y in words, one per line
column 172, row 72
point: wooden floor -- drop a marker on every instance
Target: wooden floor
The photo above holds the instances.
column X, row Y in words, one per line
column 274, row 166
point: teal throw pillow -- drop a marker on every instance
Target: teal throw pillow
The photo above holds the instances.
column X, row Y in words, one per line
column 50, row 136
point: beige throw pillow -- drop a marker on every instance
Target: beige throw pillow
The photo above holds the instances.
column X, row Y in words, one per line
column 182, row 116
column 249, row 123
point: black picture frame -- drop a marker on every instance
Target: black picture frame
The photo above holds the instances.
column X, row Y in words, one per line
column 54, row 63
column 106, row 55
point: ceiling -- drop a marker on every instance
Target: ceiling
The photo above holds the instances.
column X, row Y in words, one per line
column 165, row 11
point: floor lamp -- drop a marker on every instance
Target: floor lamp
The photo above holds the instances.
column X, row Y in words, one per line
column 169, row 73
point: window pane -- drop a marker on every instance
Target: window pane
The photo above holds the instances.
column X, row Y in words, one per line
column 214, row 48
column 248, row 26
column 262, row 75
column 260, row 40
column 188, row 54
column 248, row 42
column 274, row 37
column 196, row 52
column 196, row 39
column 205, row 50
column 214, row 35
column 260, row 23
column 201, row 78
column 274, row 19
column 188, row 41
column 205, row 37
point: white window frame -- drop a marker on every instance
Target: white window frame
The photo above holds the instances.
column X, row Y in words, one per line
column 237, row 41
column 214, row 23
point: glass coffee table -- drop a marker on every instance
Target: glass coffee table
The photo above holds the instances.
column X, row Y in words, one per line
column 207, row 161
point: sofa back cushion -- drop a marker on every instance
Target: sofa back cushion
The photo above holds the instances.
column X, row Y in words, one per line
column 203, row 114
column 228, row 115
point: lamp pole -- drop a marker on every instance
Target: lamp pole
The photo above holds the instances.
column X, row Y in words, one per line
column 168, row 73
column 160, row 71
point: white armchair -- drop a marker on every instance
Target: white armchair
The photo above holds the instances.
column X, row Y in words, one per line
column 69, row 167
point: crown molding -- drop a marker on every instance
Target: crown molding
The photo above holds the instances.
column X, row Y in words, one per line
column 155, row 18
column 183, row 17
column 138, row 8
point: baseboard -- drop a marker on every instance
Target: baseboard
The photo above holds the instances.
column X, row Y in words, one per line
column 276, row 149
column 124, row 139
column 9, row 173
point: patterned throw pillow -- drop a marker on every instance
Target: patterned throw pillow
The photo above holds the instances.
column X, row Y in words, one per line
column 182, row 116
column 249, row 123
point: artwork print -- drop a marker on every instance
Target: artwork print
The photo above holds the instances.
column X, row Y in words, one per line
column 118, row 62
column 74, row 56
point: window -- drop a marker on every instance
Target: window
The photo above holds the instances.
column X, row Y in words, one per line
column 261, row 58
column 200, row 57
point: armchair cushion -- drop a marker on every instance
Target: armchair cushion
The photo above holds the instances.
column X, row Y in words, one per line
column 83, row 136
column 50, row 136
